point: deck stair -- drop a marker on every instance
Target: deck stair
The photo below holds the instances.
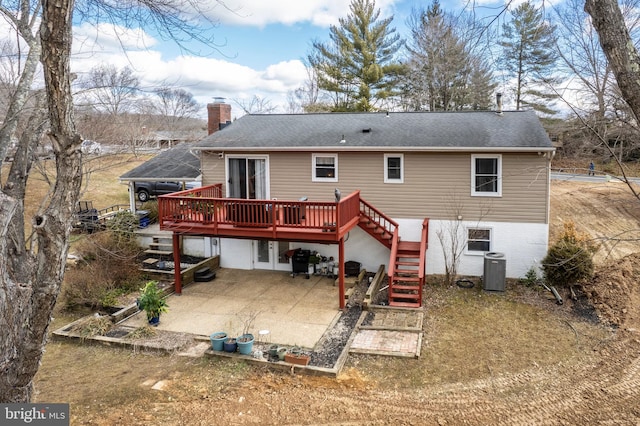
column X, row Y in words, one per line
column 405, row 288
column 160, row 247
column 376, row 223
column 407, row 260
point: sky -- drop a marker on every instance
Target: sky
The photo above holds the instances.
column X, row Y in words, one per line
column 260, row 48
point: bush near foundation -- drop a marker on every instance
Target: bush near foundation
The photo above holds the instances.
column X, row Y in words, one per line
column 570, row 259
column 109, row 268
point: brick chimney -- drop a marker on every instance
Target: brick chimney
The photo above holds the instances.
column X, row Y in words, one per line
column 219, row 115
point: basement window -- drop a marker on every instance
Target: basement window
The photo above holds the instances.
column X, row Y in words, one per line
column 478, row 240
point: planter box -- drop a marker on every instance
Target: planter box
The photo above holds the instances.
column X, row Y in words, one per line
column 297, row 359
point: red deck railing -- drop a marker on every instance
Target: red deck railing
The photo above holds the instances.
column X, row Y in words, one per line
column 206, row 206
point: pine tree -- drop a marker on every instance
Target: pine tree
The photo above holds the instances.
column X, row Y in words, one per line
column 529, row 56
column 444, row 73
column 357, row 68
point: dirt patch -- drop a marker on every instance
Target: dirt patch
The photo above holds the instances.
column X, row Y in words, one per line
column 614, row 291
column 606, row 211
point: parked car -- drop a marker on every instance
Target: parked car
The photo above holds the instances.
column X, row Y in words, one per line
column 91, row 147
column 145, row 190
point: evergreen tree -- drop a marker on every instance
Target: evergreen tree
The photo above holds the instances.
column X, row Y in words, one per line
column 529, row 56
column 357, row 68
column 445, row 73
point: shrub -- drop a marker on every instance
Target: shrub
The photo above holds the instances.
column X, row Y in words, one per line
column 570, row 259
column 123, row 226
column 109, row 268
column 530, row 278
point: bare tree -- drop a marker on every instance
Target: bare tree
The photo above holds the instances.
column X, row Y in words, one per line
column 619, row 48
column 174, row 104
column 307, row 96
column 32, row 267
column 107, row 89
column 24, row 24
column 453, row 236
column 256, row 105
column 30, row 279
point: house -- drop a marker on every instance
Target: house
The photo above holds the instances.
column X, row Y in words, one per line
column 407, row 190
column 178, row 164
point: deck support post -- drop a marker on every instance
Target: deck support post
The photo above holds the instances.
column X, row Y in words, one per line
column 177, row 274
column 341, row 272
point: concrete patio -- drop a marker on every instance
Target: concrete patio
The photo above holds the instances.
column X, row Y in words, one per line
column 294, row 310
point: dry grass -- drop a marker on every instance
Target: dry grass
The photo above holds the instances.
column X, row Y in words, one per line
column 470, row 334
column 93, row 326
column 100, row 181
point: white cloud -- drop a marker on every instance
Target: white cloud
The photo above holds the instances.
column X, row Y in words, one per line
column 205, row 78
column 108, row 38
column 260, row 13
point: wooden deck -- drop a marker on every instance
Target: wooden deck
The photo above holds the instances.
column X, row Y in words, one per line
column 203, row 212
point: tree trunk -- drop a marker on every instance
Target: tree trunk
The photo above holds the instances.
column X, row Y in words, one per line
column 30, row 279
column 618, row 47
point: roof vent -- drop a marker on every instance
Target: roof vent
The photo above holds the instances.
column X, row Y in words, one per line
column 368, row 130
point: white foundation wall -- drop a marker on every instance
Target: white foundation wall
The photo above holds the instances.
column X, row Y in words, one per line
column 236, row 254
column 359, row 247
column 523, row 244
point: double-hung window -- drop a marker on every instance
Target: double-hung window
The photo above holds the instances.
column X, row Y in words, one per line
column 486, row 175
column 478, row 240
column 324, row 167
column 393, row 168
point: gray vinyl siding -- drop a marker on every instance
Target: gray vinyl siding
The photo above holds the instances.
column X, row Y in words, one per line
column 436, row 185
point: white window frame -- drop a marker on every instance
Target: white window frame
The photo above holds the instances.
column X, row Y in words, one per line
column 314, row 158
column 468, row 240
column 498, row 192
column 248, row 157
column 387, row 179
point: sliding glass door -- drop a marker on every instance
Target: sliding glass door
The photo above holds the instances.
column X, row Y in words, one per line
column 247, row 178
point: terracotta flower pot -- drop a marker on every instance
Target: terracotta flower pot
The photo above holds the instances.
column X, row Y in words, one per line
column 299, row 359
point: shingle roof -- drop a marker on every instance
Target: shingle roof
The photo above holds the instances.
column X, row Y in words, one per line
column 175, row 164
column 406, row 130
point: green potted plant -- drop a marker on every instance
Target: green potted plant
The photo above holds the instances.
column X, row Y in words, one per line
column 152, row 301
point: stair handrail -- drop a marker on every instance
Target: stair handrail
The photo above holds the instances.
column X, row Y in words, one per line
column 392, row 259
column 424, row 243
column 389, row 224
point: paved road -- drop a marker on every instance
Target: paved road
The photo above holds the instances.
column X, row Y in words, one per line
column 579, row 177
